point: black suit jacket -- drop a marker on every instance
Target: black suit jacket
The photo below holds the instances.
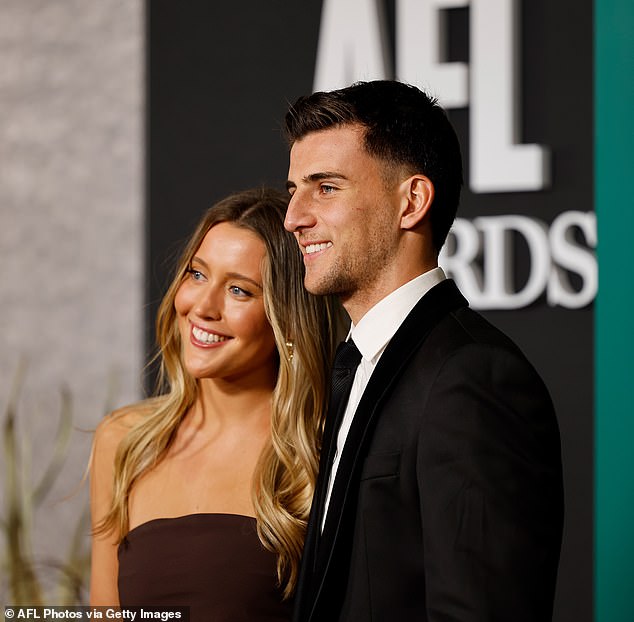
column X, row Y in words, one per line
column 448, row 500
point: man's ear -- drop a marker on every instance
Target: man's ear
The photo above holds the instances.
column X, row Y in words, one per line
column 417, row 194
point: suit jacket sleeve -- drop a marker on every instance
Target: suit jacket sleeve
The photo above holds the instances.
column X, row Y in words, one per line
column 489, row 477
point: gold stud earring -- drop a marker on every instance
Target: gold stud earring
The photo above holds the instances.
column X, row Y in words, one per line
column 290, row 347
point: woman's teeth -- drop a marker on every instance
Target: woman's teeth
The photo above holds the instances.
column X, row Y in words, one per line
column 204, row 337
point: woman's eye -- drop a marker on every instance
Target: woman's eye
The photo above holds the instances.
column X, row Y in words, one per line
column 197, row 275
column 238, row 291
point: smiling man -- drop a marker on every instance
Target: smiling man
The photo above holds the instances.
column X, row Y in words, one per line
column 440, row 490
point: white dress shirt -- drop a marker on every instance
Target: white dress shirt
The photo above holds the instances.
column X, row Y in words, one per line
column 372, row 335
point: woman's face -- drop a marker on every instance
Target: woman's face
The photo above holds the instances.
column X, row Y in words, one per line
column 220, row 309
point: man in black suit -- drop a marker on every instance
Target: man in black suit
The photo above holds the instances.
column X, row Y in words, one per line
column 440, row 494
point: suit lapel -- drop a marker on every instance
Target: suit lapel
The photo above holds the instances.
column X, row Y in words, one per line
column 439, row 301
column 313, row 533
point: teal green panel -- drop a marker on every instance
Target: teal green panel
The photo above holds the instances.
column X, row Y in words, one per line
column 614, row 312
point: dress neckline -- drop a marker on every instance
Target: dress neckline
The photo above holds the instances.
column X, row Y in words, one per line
column 195, row 516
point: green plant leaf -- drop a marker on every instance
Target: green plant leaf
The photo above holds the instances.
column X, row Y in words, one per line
column 62, row 438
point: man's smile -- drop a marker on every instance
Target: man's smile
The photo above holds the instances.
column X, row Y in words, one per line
column 314, row 248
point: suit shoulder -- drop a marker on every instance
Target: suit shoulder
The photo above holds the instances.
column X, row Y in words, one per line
column 466, row 338
column 467, row 327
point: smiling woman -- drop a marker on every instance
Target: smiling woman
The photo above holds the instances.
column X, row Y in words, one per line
column 220, row 307
column 200, row 496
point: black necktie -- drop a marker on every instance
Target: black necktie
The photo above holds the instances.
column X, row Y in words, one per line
column 347, row 359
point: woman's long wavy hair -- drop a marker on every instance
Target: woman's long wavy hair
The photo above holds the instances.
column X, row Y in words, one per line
column 285, row 476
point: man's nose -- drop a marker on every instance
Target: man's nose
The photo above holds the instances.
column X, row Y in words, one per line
column 298, row 215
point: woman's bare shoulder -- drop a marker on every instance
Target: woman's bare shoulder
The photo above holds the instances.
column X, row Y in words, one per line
column 115, row 426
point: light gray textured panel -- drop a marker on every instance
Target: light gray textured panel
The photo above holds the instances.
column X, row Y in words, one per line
column 71, row 225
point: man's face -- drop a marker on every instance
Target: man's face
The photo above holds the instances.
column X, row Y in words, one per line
column 343, row 215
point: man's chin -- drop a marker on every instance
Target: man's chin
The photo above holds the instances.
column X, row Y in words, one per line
column 315, row 289
column 315, row 286
column 325, row 287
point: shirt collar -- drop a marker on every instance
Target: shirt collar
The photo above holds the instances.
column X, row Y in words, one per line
column 375, row 329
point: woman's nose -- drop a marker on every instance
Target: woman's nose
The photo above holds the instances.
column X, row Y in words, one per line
column 208, row 304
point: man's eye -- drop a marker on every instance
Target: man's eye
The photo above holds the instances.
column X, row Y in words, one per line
column 326, row 189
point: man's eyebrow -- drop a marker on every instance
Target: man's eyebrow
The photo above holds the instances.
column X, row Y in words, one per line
column 313, row 177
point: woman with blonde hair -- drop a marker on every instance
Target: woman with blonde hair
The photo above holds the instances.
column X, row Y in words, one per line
column 200, row 496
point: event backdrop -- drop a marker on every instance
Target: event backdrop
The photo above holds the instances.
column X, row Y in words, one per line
column 518, row 81
column 71, row 266
column 521, row 97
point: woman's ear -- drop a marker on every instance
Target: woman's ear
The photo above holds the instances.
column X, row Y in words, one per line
column 417, row 195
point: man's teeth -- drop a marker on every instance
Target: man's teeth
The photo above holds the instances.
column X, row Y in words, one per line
column 313, row 248
column 204, row 337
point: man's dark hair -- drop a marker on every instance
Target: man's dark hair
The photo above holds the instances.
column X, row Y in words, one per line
column 403, row 126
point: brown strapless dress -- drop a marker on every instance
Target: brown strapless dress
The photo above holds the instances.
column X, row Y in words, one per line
column 213, row 563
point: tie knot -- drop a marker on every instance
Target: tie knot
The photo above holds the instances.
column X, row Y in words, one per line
column 347, row 355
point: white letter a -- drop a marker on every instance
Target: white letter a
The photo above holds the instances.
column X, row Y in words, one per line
column 352, row 44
